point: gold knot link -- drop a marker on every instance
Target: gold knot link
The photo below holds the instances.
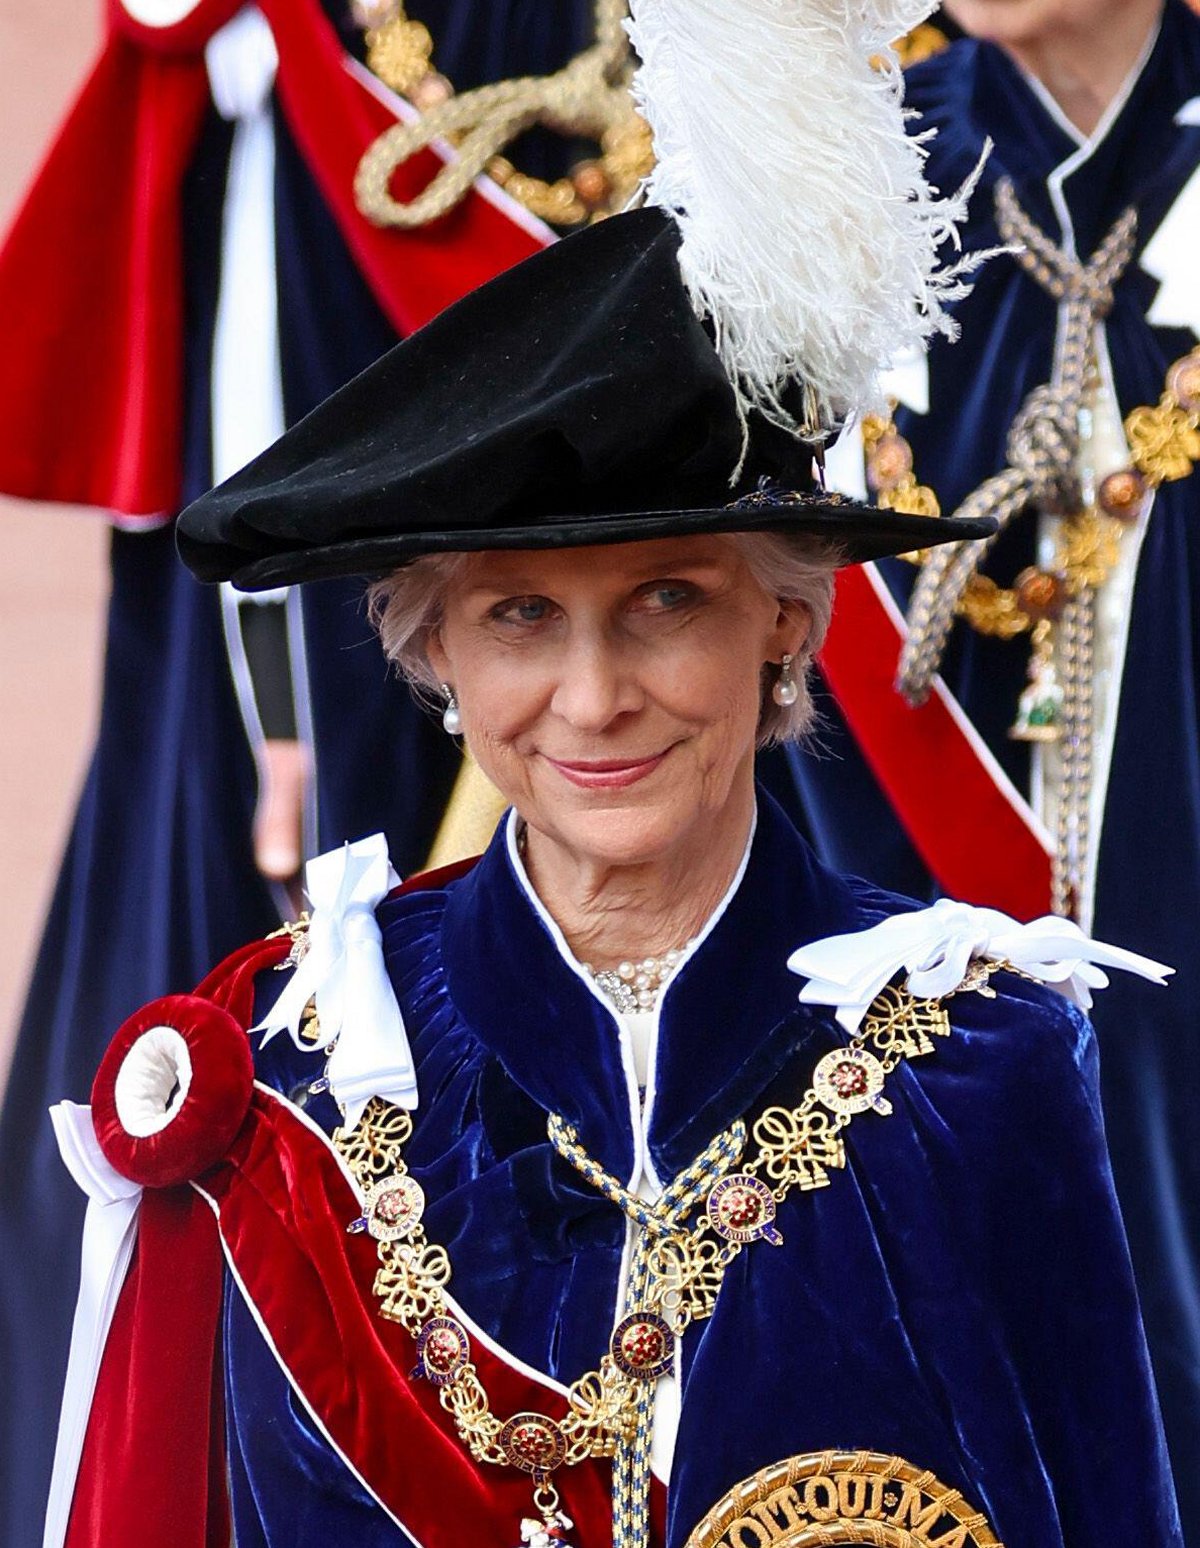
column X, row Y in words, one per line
column 602, row 1415
column 409, row 1282
column 371, row 1149
column 688, row 1270
column 1164, row 440
column 900, row 1026
column 799, row 1148
column 588, row 97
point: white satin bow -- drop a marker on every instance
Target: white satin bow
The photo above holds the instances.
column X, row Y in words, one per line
column 935, row 947
column 344, row 970
column 241, row 60
column 109, row 1233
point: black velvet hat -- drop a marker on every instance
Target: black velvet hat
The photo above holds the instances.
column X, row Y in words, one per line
column 576, row 399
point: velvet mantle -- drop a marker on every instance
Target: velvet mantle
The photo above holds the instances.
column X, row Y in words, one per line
column 1148, row 877
column 960, row 1295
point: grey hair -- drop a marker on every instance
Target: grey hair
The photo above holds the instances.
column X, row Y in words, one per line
column 406, row 608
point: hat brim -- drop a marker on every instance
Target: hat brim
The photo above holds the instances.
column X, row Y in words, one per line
column 856, row 532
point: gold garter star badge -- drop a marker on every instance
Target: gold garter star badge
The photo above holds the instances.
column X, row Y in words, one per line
column 854, row 1498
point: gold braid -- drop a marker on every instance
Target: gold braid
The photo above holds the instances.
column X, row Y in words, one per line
column 1043, row 443
column 588, row 97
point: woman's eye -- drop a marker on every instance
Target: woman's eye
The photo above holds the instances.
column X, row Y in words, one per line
column 665, row 596
column 522, row 610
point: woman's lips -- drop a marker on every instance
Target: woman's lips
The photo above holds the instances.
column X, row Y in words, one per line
column 607, row 773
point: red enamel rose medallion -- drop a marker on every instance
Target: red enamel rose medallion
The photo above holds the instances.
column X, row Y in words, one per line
column 643, row 1346
column 442, row 1350
column 742, row 1209
column 392, row 1209
column 534, row 1443
column 850, row 1080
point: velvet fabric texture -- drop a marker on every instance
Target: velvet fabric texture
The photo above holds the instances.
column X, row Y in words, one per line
column 927, row 763
column 959, row 1295
column 111, row 193
column 309, row 1282
column 153, row 1466
column 224, row 1175
column 575, row 399
column 1148, row 872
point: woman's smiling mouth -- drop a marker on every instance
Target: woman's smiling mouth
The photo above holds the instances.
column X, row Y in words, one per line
column 606, row 773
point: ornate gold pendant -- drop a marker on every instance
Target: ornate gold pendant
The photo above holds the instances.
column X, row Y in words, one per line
column 843, row 1498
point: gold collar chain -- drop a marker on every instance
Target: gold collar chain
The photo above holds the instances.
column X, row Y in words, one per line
column 686, row 1241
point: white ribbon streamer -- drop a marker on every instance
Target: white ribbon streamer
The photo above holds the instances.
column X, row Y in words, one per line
column 247, row 393
column 936, row 945
column 109, row 1232
column 344, row 970
column 247, row 384
column 1170, row 255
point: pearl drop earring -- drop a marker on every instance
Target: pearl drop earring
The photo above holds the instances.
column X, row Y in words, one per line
column 451, row 718
column 786, row 690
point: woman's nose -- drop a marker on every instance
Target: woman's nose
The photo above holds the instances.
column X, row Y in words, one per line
column 594, row 687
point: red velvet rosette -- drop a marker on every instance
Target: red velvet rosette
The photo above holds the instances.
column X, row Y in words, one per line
column 172, row 1091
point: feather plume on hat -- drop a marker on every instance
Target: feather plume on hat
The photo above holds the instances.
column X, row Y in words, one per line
column 810, row 235
column 577, row 399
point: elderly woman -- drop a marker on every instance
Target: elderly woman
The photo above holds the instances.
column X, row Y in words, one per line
column 656, row 1141
column 642, row 1181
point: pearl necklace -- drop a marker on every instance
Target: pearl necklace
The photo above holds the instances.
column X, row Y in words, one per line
column 634, row 986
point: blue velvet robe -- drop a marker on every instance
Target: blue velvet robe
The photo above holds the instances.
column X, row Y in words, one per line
column 1148, row 879
column 960, row 1295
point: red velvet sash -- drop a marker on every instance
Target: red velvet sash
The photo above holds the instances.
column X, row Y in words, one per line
column 277, row 1205
column 91, row 275
column 153, row 1467
column 970, row 827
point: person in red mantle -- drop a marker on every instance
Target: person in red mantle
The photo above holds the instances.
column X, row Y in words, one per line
column 644, row 1147
column 188, row 275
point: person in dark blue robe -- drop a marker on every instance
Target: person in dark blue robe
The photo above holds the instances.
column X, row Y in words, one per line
column 159, row 876
column 741, row 1173
column 1144, row 154
column 931, row 1303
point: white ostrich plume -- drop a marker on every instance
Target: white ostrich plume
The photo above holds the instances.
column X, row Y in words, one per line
column 810, row 236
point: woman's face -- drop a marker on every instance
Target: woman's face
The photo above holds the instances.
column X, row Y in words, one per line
column 612, row 694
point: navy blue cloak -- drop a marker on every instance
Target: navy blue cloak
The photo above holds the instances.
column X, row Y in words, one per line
column 960, row 1295
column 1148, row 879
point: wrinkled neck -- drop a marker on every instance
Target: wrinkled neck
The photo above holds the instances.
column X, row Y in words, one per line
column 612, row 913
